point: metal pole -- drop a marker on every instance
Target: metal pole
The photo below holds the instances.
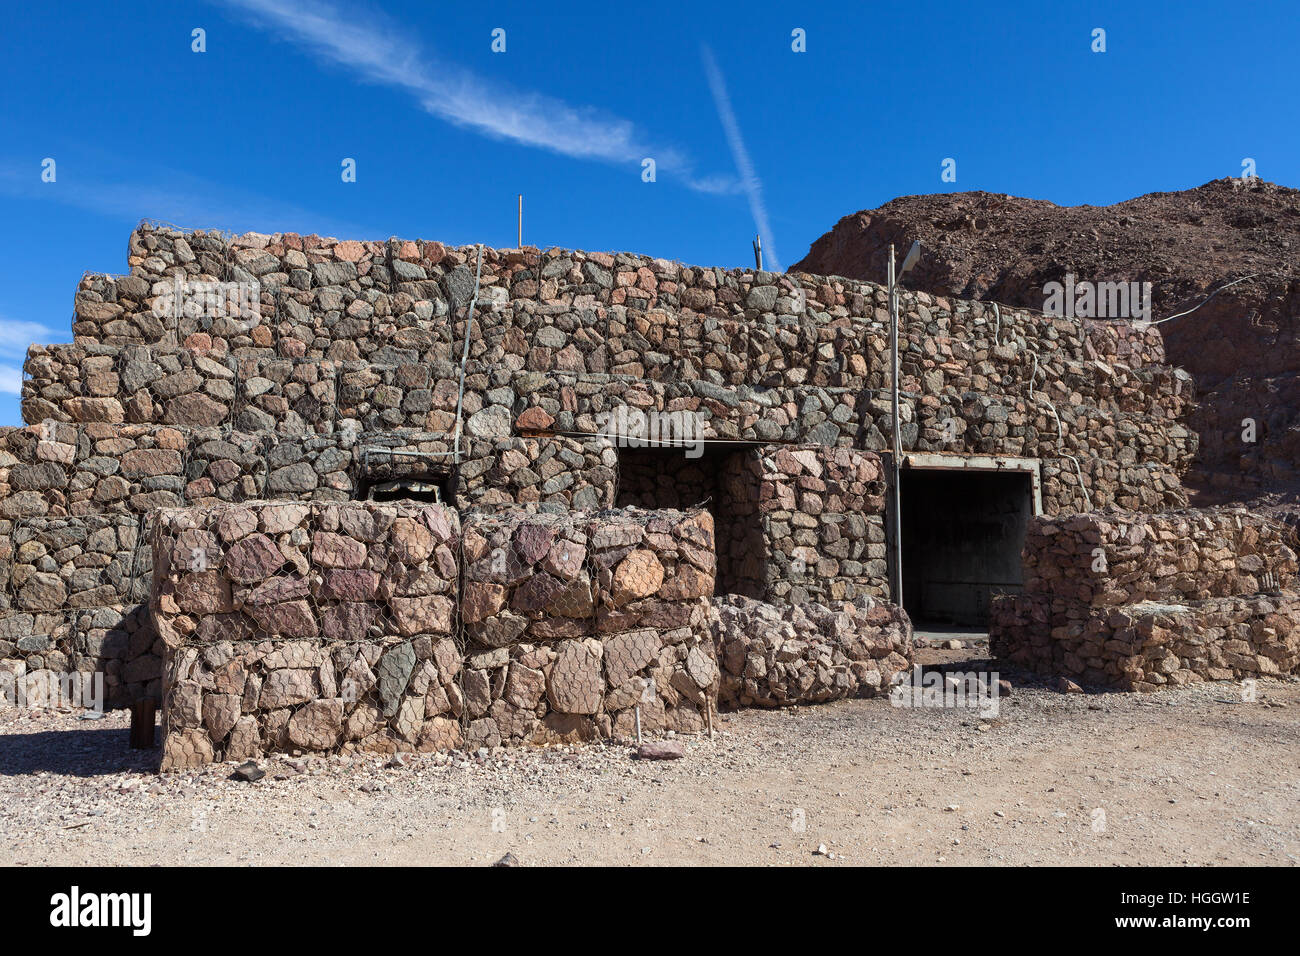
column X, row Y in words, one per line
column 521, row 220
column 898, row 441
column 758, row 252
column 464, row 355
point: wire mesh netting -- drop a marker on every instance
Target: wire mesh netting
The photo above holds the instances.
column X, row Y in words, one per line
column 383, row 626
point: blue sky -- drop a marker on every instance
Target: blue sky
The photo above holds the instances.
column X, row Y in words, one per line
column 745, row 132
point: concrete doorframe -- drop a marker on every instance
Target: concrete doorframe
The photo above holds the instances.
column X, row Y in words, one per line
column 947, row 461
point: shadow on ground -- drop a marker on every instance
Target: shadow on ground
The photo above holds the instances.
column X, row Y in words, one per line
column 92, row 752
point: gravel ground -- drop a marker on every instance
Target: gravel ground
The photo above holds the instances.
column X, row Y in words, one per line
column 1191, row 776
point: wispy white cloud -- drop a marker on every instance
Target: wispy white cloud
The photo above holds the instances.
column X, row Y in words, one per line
column 380, row 51
column 180, row 198
column 11, row 380
column 17, row 334
column 749, row 180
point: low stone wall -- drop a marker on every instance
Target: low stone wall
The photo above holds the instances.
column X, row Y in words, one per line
column 1148, row 646
column 572, row 621
column 777, row 656
column 658, row 319
column 1105, row 559
column 383, row 626
column 74, row 563
column 305, row 625
column 1141, row 602
column 116, row 641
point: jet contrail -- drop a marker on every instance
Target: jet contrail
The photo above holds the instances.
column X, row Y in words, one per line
column 744, row 166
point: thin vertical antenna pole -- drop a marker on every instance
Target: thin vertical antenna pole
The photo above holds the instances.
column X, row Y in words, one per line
column 521, row 220
column 758, row 252
column 897, row 427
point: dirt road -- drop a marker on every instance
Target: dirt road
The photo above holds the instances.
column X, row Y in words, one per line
column 1192, row 776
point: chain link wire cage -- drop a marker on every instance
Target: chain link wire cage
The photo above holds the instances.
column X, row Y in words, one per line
column 390, row 626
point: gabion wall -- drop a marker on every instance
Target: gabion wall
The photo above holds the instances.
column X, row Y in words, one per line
column 385, row 626
column 1142, row 602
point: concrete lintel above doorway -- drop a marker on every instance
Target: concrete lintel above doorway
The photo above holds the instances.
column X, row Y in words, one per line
column 944, row 461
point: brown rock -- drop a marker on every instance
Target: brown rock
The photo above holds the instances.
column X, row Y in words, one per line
column 274, row 519
column 532, row 542
column 245, row 740
column 639, row 575
column 500, row 630
column 661, row 750
column 42, row 592
column 348, row 621
column 350, row 585
column 481, row 600
column 626, row 654
column 687, row 582
column 144, row 462
column 412, row 540
column 524, row 686
column 195, row 409
column 318, row 725
column 254, row 559
column 575, row 684
column 186, row 749
column 534, row 419
column 236, row 523
column 565, row 559
column 286, row 687
column 220, row 712
column 439, row 733
column 276, row 590
column 535, row 593
column 95, row 410
column 431, row 614
column 287, row 619
column 205, row 592
column 330, row 550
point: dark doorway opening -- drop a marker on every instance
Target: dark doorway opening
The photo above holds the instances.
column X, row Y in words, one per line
column 963, row 532
column 724, row 479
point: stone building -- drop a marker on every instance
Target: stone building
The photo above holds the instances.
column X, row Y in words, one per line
column 225, row 370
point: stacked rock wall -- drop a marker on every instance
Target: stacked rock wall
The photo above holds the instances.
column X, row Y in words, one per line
column 308, row 626
column 1141, row 602
column 572, row 336
column 60, row 469
column 384, row 626
column 782, row 655
column 572, row 621
column 793, row 523
column 76, row 502
column 225, row 370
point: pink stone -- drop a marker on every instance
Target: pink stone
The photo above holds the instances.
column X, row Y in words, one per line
column 430, row 614
column 254, row 559
column 532, row 542
column 349, row 250
column 350, row 585
column 289, row 619
column 331, row 550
